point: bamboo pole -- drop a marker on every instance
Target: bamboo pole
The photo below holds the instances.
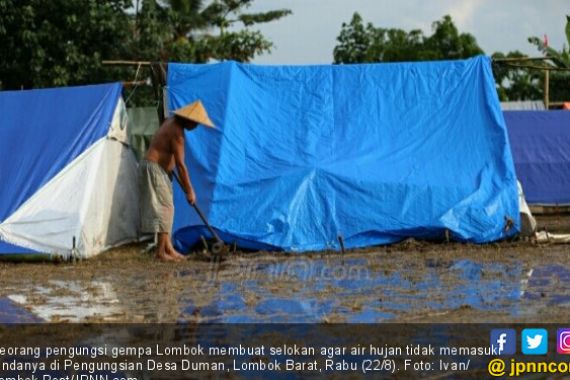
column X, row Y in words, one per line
column 549, row 68
column 520, row 59
column 127, row 63
column 546, row 89
column 134, row 83
column 556, row 104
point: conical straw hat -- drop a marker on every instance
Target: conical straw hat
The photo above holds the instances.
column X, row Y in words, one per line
column 195, row 112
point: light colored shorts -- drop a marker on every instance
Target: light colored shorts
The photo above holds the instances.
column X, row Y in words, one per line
column 157, row 205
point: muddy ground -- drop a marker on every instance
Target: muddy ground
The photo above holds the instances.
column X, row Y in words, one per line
column 408, row 282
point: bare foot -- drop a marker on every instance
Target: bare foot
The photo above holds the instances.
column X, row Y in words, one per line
column 165, row 257
column 176, row 255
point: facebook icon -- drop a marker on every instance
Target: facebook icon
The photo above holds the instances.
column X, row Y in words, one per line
column 504, row 341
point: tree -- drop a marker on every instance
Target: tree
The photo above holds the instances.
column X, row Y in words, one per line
column 182, row 31
column 516, row 83
column 355, row 42
column 60, row 42
column 242, row 45
column 187, row 36
column 360, row 43
column 447, row 43
column 560, row 59
column 559, row 81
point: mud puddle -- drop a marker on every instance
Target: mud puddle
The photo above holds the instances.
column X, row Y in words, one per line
column 412, row 282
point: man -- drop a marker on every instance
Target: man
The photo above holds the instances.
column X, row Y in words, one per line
column 165, row 152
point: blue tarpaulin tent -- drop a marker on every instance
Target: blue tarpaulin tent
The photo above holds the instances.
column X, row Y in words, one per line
column 375, row 153
column 63, row 167
column 540, row 142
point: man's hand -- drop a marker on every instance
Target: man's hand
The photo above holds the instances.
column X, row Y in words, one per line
column 191, row 197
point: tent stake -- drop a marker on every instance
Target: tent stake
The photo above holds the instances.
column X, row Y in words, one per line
column 73, row 251
column 341, row 242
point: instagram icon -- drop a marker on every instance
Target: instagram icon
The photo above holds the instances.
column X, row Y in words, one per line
column 563, row 341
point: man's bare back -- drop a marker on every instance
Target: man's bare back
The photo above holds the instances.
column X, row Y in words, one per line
column 167, row 149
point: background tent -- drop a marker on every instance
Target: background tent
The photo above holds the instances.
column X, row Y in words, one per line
column 375, row 153
column 540, row 142
column 66, row 171
column 143, row 123
column 526, row 105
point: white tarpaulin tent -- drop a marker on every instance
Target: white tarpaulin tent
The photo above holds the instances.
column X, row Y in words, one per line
column 68, row 178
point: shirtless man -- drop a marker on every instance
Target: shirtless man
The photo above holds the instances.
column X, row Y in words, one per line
column 166, row 151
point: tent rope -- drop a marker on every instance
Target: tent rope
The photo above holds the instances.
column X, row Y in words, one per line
column 136, row 84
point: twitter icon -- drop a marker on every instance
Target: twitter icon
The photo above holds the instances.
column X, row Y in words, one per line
column 534, row 341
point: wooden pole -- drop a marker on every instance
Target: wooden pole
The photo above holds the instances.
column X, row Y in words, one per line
column 546, row 89
column 134, row 83
column 528, row 66
column 126, row 63
column 521, row 59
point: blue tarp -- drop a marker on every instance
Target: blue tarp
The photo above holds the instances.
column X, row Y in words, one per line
column 375, row 153
column 41, row 132
column 540, row 142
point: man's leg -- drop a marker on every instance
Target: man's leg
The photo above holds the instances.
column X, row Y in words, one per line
column 162, row 249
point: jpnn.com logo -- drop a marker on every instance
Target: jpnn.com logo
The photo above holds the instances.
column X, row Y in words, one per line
column 534, row 341
column 504, row 341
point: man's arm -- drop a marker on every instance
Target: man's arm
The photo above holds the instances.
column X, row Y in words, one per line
column 182, row 170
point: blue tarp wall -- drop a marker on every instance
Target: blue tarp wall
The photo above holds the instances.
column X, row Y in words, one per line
column 375, row 153
column 41, row 132
column 540, row 142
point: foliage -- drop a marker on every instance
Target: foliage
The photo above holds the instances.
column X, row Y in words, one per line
column 516, row 83
column 63, row 42
column 59, row 42
column 447, row 43
column 355, row 41
column 560, row 59
column 180, row 30
column 559, row 81
column 366, row 43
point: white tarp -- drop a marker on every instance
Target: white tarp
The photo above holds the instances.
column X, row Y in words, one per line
column 93, row 201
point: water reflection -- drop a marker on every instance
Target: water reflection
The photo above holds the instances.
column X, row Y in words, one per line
column 12, row 312
column 550, row 283
column 358, row 290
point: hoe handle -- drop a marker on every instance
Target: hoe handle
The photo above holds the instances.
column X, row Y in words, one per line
column 200, row 214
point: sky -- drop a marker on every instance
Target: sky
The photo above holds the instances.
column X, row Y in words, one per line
column 308, row 36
